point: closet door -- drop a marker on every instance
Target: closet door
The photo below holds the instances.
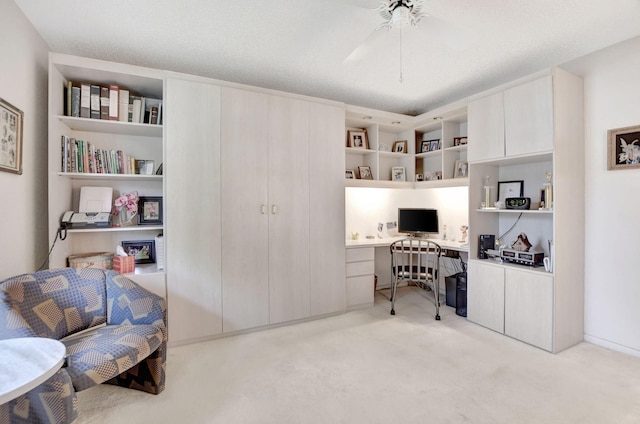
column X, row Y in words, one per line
column 486, row 128
column 245, row 209
column 288, row 209
column 192, row 205
column 327, row 232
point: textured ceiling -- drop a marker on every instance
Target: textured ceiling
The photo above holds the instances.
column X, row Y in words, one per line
column 300, row 46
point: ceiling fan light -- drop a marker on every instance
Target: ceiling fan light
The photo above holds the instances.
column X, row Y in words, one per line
column 400, row 17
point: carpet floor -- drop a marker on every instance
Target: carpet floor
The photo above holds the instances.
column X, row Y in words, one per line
column 366, row 366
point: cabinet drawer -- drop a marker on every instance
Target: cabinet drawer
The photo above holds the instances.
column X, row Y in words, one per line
column 360, row 254
column 360, row 268
column 360, row 290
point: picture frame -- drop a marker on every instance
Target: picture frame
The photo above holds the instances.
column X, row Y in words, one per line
column 365, row 173
column 461, row 169
column 400, row 146
column 623, row 148
column 424, row 148
column 150, row 210
column 434, row 145
column 398, row 173
column 510, row 189
column 350, row 174
column 459, row 141
column 11, row 126
column 357, row 139
column 144, row 166
column 419, row 177
column 144, row 251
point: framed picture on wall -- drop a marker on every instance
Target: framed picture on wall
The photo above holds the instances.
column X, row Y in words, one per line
column 510, row 189
column 10, row 138
column 357, row 139
column 623, row 148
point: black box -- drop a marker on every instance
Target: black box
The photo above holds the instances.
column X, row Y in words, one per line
column 487, row 241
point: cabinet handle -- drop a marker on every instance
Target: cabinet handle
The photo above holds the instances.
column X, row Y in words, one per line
column 263, row 209
column 274, row 209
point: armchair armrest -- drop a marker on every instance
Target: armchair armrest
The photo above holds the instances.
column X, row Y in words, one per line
column 129, row 303
column 12, row 325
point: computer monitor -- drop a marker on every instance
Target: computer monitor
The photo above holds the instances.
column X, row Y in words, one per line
column 418, row 221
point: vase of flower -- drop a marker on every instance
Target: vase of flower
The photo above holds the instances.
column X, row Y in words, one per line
column 125, row 209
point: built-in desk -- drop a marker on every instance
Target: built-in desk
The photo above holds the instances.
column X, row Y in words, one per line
column 368, row 258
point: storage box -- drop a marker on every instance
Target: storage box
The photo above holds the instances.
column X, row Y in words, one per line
column 124, row 264
column 103, row 260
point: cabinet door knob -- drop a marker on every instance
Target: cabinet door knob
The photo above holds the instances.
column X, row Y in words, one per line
column 263, row 209
column 274, row 209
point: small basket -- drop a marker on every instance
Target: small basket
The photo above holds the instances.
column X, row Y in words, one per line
column 102, row 260
column 124, row 264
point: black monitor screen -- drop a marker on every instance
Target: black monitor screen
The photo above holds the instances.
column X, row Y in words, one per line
column 418, row 221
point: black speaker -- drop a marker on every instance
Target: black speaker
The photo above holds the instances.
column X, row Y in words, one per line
column 487, row 241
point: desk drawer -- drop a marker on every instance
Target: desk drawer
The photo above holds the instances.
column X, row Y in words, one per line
column 360, row 268
column 360, row 254
column 360, row 290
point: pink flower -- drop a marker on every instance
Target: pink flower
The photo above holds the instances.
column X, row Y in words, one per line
column 128, row 201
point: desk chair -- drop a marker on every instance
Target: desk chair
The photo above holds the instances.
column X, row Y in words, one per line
column 416, row 260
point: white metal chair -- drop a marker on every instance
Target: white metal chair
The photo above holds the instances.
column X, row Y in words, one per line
column 416, row 260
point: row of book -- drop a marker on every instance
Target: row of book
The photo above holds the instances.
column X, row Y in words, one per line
column 80, row 156
column 85, row 100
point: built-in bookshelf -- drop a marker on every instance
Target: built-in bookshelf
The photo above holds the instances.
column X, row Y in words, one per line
column 111, row 147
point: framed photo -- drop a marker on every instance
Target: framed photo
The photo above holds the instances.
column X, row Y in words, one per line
column 365, row 172
column 400, row 146
column 510, row 189
column 357, row 139
column 419, row 177
column 459, row 141
column 623, row 149
column 150, row 210
column 145, row 167
column 425, row 146
column 434, row 145
column 143, row 250
column 10, row 138
column 349, row 174
column 397, row 173
column 461, row 169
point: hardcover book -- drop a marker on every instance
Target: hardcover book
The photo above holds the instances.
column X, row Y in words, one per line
column 95, row 102
column 114, row 102
column 104, row 102
column 75, row 101
column 85, row 101
column 123, row 109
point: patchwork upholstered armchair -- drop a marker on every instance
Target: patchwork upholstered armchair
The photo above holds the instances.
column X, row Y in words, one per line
column 113, row 329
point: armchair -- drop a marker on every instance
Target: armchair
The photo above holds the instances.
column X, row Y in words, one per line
column 113, row 329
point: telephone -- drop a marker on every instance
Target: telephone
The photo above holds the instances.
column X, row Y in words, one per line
column 72, row 219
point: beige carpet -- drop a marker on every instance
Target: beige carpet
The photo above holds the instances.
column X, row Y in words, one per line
column 369, row 367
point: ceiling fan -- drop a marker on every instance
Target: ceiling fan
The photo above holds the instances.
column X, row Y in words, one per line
column 402, row 14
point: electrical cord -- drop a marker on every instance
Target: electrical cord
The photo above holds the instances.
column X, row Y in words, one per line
column 61, row 233
column 509, row 230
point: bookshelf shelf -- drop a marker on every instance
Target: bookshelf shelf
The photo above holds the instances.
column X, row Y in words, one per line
column 117, row 229
column 111, row 127
column 91, row 176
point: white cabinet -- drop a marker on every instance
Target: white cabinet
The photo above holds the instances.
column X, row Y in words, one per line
column 486, row 295
column 283, row 252
column 136, row 140
column 528, row 117
column 486, row 125
column 528, row 307
column 360, row 268
column 544, row 134
column 245, row 209
column 193, row 211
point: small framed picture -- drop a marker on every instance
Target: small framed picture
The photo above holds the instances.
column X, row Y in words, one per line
column 419, row 177
column 150, row 210
column 365, row 173
column 144, row 251
column 459, row 141
column 397, row 173
column 144, row 167
column 460, row 170
column 10, row 138
column 434, row 145
column 400, row 146
column 424, row 148
column 357, row 139
column 349, row 174
column 510, row 189
column 623, row 148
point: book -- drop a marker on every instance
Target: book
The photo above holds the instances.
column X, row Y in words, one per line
column 114, row 102
column 75, row 101
column 150, row 105
column 153, row 117
column 67, row 109
column 104, row 102
column 136, row 101
column 85, row 101
column 123, row 107
column 94, row 102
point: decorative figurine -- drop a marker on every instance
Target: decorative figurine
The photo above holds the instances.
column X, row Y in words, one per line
column 464, row 229
column 548, row 192
column 522, row 243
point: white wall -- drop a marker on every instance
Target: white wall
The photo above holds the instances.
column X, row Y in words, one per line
column 612, row 205
column 23, row 204
column 366, row 207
